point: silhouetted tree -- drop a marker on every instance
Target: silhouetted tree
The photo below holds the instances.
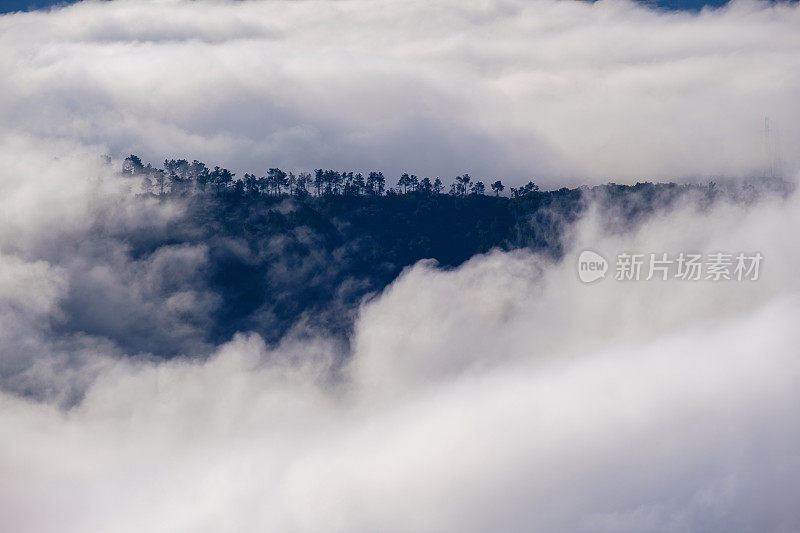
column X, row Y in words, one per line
column 403, row 183
column 462, row 184
column 301, row 186
column 376, row 183
column 498, row 187
column 179, row 175
column 319, row 180
column 276, row 180
column 147, row 179
column 359, row 186
column 525, row 190
column 333, row 182
column 201, row 174
column 251, row 184
column 196, row 168
column 132, row 165
column 221, row 178
column 425, row 186
column 160, row 179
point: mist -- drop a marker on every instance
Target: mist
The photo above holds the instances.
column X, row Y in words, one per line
column 497, row 393
column 500, row 395
column 564, row 92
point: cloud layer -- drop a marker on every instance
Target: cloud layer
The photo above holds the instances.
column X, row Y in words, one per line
column 500, row 396
column 563, row 91
column 503, row 395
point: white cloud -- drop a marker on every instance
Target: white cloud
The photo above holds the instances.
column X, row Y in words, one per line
column 557, row 90
column 500, row 396
column 503, row 395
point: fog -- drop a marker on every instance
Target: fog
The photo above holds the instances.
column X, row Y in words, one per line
column 502, row 395
column 564, row 92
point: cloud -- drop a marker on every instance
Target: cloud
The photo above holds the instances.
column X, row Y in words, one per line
column 563, row 91
column 72, row 292
column 504, row 304
column 500, row 395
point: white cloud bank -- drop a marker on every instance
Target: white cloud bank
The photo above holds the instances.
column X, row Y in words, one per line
column 562, row 91
column 694, row 431
column 501, row 396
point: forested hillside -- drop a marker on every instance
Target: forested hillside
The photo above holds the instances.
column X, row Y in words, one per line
column 285, row 249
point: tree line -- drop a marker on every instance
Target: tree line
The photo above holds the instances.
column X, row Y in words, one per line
column 181, row 177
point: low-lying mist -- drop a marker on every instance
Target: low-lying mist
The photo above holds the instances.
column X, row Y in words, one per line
column 499, row 394
column 176, row 362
